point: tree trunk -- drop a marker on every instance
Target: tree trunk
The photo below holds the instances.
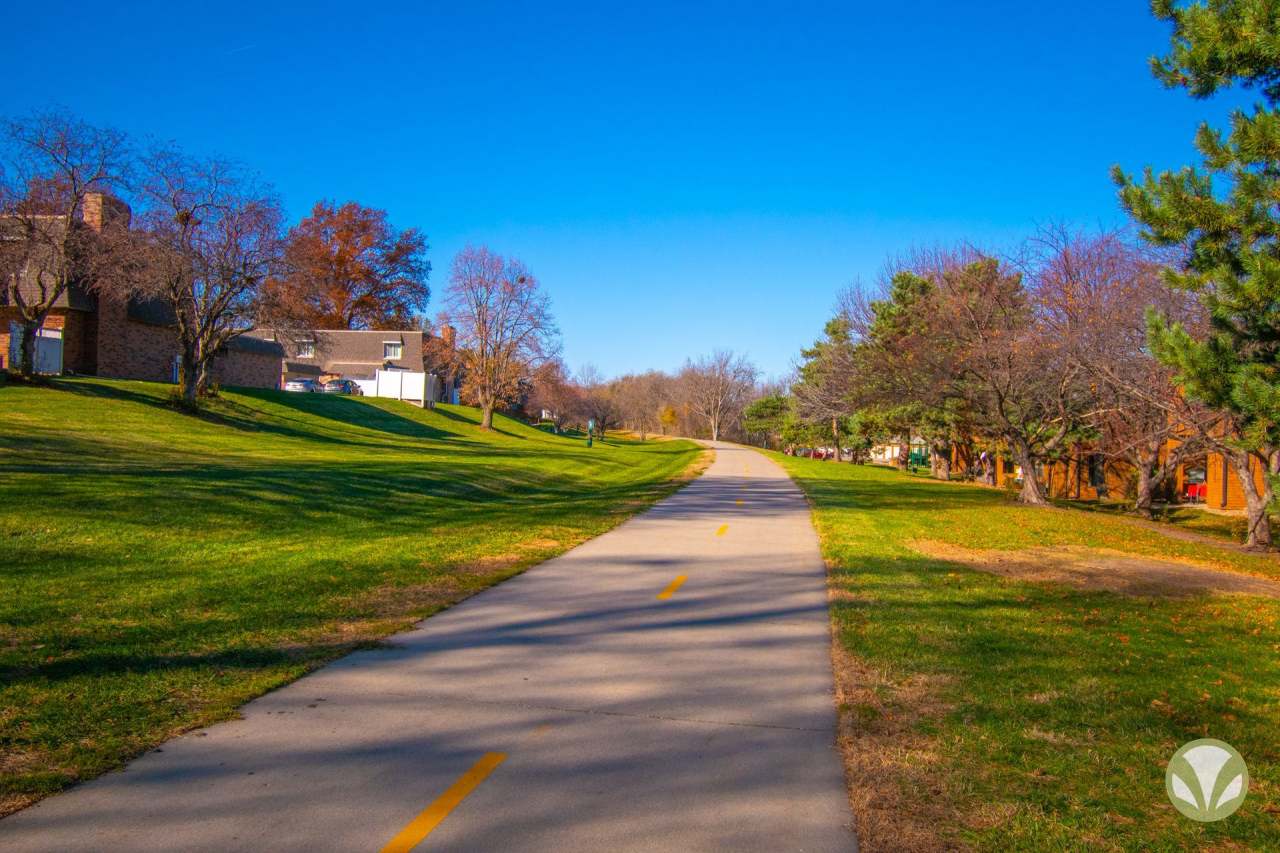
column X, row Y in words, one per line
column 942, row 462
column 486, row 415
column 835, row 436
column 904, row 454
column 189, row 376
column 1256, row 503
column 1032, row 492
column 1146, row 489
column 27, row 348
column 1153, row 473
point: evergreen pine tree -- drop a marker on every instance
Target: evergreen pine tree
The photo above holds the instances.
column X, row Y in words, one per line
column 1226, row 217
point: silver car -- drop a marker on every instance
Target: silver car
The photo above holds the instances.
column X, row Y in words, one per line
column 342, row 386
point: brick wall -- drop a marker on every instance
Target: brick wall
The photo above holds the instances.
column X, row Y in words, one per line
column 1221, row 476
column 79, row 343
column 1072, row 478
column 247, row 369
column 7, row 315
column 128, row 349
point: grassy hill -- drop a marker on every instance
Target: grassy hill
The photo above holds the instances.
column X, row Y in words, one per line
column 161, row 569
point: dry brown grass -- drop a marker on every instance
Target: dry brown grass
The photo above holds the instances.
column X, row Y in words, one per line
column 891, row 769
column 1102, row 569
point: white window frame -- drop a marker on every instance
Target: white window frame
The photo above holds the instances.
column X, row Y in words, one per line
column 307, row 349
column 392, row 350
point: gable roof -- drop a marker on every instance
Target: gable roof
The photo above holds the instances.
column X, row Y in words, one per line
column 349, row 352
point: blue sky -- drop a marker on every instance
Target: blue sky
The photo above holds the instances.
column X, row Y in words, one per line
column 680, row 177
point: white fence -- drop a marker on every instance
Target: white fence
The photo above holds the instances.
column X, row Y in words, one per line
column 48, row 349
column 404, row 385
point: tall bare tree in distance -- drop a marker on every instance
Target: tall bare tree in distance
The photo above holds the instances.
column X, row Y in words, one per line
column 641, row 397
column 554, row 394
column 52, row 164
column 717, row 387
column 598, row 400
column 504, row 325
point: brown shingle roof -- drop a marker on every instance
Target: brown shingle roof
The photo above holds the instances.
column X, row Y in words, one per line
column 348, row 352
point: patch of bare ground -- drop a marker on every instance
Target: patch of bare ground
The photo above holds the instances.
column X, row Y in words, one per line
column 13, row 762
column 494, row 563
column 892, row 770
column 1103, row 569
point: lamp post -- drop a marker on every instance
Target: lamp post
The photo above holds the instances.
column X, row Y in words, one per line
column 591, row 429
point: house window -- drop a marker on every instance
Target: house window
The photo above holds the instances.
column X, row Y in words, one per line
column 1097, row 471
column 307, row 349
column 392, row 351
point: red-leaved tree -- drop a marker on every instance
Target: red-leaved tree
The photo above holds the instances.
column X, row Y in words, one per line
column 347, row 267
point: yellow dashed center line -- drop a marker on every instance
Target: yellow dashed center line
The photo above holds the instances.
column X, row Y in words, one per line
column 739, row 501
column 422, row 825
column 724, row 528
column 672, row 587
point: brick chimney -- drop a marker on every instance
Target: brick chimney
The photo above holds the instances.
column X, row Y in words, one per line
column 98, row 208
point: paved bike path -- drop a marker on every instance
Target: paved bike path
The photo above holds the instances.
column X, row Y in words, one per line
column 568, row 709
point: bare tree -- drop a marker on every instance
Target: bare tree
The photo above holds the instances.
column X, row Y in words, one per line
column 1096, row 290
column 598, row 400
column 717, row 387
column 504, row 325
column 213, row 237
column 641, row 398
column 1012, row 373
column 53, row 162
column 553, row 392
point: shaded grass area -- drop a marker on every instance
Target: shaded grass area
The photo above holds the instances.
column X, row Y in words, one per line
column 1000, row 714
column 1227, row 526
column 161, row 569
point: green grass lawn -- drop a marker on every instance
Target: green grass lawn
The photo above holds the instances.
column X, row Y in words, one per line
column 157, row 570
column 992, row 713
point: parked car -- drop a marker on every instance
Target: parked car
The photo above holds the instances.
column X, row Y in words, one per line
column 342, row 386
column 307, row 385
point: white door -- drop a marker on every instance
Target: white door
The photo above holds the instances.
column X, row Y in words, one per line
column 49, row 351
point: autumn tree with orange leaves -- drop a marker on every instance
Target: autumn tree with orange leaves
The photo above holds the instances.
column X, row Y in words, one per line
column 349, row 268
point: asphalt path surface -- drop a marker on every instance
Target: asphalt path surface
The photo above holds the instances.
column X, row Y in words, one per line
column 666, row 686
